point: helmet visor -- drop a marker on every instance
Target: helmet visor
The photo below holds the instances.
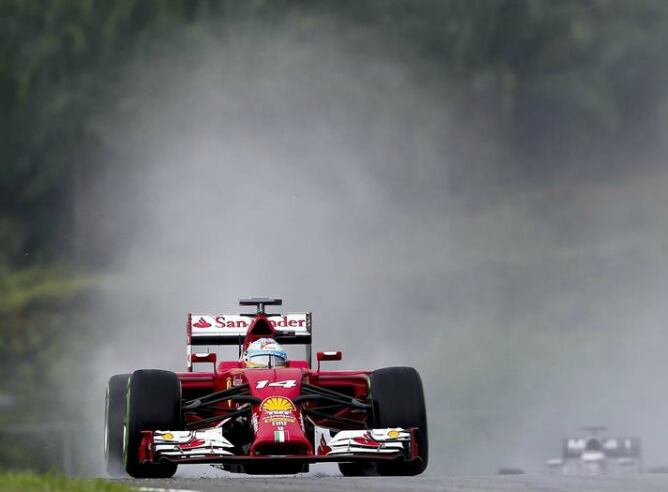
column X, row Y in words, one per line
column 265, row 360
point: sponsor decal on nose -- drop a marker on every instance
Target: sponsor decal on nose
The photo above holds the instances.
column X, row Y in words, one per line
column 277, row 404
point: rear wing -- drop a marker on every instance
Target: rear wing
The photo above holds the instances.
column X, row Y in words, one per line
column 228, row 329
column 232, row 329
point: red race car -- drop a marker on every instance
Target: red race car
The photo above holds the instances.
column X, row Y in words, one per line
column 264, row 413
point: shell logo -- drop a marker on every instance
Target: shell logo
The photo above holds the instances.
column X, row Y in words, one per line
column 393, row 434
column 277, row 404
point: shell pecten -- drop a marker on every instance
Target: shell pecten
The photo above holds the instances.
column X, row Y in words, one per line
column 277, row 404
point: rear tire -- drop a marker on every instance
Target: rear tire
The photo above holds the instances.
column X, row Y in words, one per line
column 153, row 403
column 114, row 415
column 398, row 401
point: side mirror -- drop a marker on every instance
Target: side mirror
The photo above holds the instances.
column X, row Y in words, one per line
column 205, row 357
column 322, row 356
column 329, row 356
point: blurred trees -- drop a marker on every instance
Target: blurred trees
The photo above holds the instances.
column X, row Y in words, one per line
column 556, row 81
column 554, row 76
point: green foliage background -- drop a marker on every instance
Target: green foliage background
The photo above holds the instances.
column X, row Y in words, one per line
column 596, row 67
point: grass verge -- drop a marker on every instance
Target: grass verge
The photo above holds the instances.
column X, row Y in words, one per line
column 29, row 482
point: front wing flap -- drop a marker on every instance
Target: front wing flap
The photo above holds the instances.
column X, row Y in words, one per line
column 374, row 441
column 211, row 446
column 198, row 443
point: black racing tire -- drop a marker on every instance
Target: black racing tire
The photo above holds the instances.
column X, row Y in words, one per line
column 398, row 401
column 153, row 403
column 114, row 415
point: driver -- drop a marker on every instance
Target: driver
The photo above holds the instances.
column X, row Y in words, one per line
column 264, row 353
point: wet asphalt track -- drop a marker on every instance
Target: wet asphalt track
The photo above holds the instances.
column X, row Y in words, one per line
column 521, row 483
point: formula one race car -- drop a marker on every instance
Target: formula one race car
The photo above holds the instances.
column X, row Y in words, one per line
column 597, row 455
column 263, row 413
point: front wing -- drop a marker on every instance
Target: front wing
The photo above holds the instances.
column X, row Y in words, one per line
column 211, row 446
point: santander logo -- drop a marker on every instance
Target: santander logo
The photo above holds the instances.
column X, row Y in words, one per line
column 294, row 321
column 202, row 323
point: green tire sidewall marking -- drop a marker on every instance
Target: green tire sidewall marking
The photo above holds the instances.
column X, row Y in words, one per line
column 106, row 425
column 126, row 424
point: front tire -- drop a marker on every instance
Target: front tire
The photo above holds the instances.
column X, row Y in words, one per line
column 153, row 403
column 398, row 401
column 114, row 415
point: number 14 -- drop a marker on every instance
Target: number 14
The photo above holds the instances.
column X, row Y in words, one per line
column 288, row 383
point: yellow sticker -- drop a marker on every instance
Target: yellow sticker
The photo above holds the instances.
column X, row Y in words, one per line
column 277, row 404
column 168, row 436
column 393, row 434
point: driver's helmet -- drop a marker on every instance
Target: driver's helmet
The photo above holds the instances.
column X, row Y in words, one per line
column 594, row 445
column 265, row 353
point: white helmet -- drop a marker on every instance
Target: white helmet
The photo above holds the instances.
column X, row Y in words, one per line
column 265, row 353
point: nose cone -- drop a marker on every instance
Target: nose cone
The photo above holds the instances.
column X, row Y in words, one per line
column 279, row 429
column 277, row 421
column 593, row 456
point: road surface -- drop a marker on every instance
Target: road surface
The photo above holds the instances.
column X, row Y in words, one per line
column 315, row 483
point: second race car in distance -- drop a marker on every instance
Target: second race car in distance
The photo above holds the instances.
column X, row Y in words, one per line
column 594, row 454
